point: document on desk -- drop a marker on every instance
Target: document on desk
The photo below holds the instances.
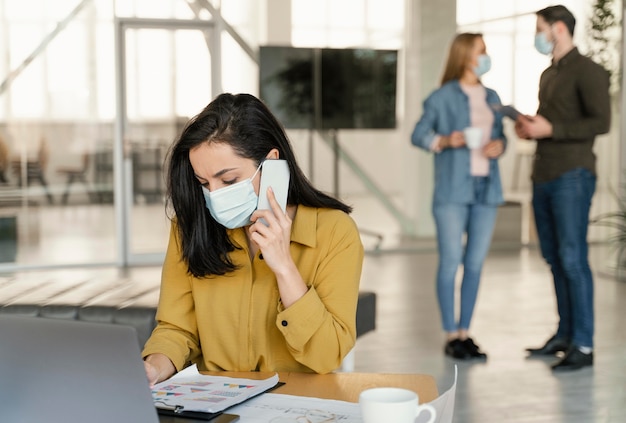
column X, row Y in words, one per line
column 281, row 408
column 189, row 390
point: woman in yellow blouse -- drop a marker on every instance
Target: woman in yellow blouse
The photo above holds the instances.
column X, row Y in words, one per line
column 237, row 294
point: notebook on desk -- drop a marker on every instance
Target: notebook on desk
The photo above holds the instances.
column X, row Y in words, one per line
column 60, row 371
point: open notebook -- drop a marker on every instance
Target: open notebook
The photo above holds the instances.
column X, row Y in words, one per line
column 60, row 371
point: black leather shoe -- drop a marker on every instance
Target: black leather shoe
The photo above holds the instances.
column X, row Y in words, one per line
column 551, row 347
column 456, row 349
column 574, row 359
column 473, row 349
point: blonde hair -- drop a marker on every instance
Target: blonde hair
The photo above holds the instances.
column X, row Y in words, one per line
column 459, row 55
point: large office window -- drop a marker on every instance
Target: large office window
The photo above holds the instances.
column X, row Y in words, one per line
column 58, row 114
column 59, row 65
column 69, row 74
column 56, row 111
column 348, row 23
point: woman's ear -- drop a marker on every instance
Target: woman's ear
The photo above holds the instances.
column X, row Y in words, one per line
column 273, row 154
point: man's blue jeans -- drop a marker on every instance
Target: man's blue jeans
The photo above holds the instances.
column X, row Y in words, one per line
column 561, row 208
column 477, row 220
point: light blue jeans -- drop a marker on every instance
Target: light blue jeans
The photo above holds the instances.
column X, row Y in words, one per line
column 476, row 220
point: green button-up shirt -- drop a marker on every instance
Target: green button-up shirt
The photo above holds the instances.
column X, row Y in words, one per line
column 574, row 97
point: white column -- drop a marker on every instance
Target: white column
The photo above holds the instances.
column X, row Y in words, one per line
column 278, row 21
column 429, row 27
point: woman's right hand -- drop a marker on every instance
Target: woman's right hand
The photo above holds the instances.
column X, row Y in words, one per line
column 158, row 368
column 456, row 139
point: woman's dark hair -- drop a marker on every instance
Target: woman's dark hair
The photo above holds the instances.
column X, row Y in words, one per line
column 247, row 125
column 558, row 13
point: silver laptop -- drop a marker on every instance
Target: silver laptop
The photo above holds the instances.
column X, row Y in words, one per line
column 61, row 371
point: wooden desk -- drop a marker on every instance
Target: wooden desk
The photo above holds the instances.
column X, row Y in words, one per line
column 339, row 386
column 344, row 386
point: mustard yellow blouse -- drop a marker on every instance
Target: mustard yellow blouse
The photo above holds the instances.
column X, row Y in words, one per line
column 237, row 321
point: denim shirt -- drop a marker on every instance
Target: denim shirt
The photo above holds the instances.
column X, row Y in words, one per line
column 447, row 110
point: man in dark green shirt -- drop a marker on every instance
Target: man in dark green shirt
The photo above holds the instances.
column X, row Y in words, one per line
column 574, row 107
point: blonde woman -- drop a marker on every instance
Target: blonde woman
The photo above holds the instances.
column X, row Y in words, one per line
column 467, row 181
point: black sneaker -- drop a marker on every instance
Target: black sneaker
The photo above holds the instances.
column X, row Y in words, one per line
column 473, row 349
column 456, row 349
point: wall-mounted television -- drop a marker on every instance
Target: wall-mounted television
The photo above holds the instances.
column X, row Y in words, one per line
column 329, row 88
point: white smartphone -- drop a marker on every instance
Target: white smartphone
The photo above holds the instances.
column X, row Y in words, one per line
column 275, row 174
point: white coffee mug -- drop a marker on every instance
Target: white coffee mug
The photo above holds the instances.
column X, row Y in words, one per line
column 473, row 137
column 397, row 405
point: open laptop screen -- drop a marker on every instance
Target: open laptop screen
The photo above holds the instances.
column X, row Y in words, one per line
column 61, row 371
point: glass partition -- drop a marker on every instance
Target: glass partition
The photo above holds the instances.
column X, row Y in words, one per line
column 162, row 91
column 73, row 192
column 56, row 205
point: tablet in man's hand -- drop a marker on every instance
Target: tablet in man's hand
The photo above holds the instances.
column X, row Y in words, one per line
column 508, row 111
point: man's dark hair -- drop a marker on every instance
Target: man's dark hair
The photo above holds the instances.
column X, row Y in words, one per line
column 552, row 14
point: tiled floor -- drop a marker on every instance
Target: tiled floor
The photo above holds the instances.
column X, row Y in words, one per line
column 515, row 310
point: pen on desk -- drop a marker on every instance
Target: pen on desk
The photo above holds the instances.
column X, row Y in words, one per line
column 166, row 406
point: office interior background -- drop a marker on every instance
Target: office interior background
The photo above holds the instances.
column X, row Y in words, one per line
column 94, row 91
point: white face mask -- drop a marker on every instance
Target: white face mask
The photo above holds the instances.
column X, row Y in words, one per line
column 484, row 65
column 542, row 44
column 233, row 205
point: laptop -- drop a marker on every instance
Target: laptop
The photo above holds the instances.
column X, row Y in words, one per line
column 63, row 371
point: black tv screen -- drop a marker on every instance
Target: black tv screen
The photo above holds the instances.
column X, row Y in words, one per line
column 329, row 88
column 286, row 84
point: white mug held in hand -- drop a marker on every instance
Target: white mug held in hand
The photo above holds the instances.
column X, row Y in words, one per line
column 473, row 137
column 397, row 405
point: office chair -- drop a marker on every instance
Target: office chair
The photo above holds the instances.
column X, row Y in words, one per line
column 76, row 174
column 34, row 169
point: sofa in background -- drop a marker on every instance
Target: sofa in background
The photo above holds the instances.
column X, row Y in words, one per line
column 109, row 298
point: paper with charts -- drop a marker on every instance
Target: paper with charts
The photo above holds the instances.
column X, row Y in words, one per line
column 281, row 408
column 191, row 391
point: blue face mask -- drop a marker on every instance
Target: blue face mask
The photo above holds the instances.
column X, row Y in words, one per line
column 484, row 65
column 542, row 44
column 233, row 205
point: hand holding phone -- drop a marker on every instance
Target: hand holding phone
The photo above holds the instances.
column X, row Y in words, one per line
column 275, row 174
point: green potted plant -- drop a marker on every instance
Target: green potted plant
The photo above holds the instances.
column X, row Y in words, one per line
column 616, row 221
column 604, row 31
